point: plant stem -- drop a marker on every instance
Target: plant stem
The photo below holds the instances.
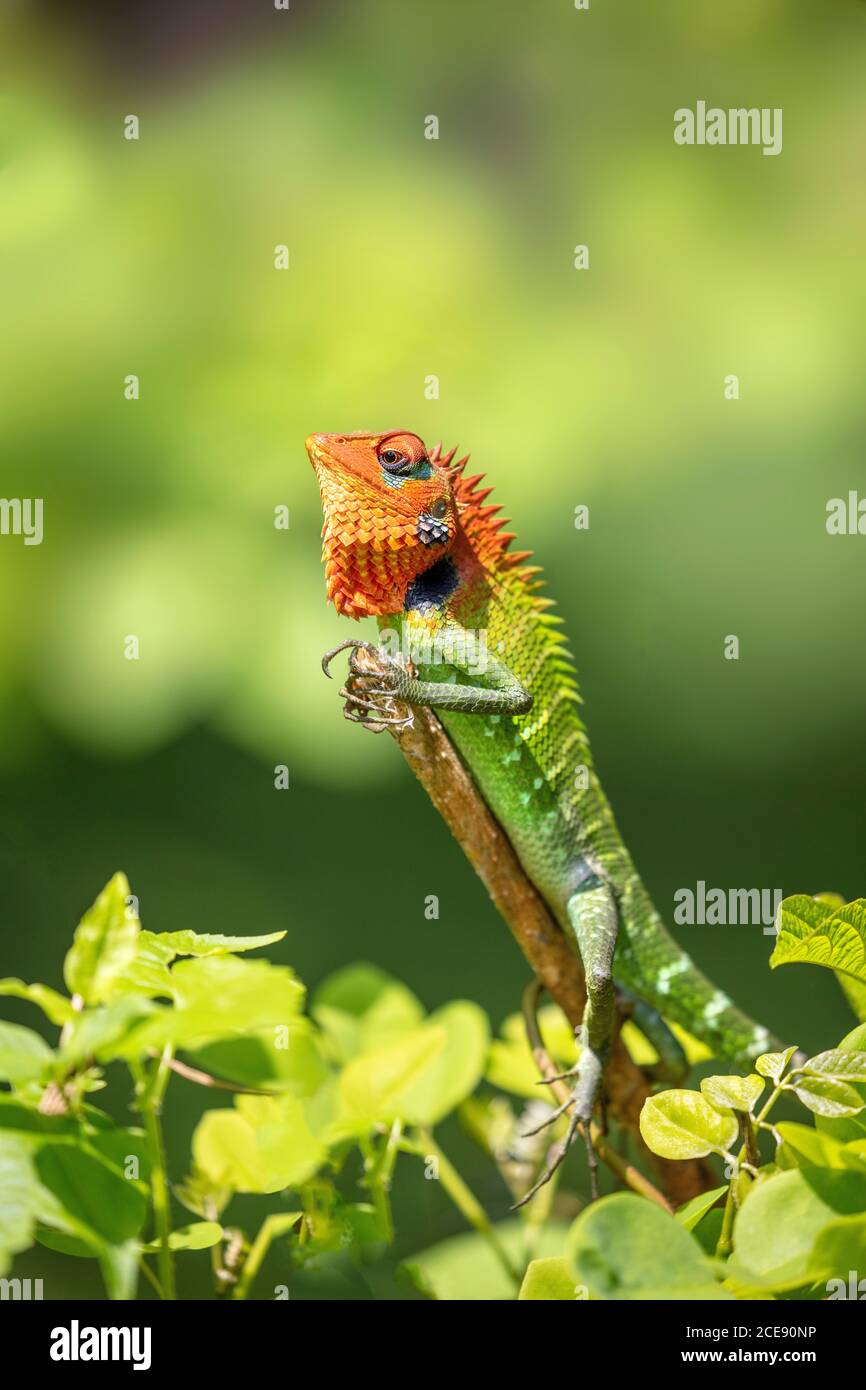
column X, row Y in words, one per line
column 771, row 1101
column 380, row 1169
column 536, row 1214
column 725, row 1243
column 149, row 1274
column 465, row 1201
column 749, row 1151
column 150, row 1096
column 271, row 1227
column 203, row 1078
column 748, row 1134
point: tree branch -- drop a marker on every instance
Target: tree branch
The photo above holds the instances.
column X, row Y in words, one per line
column 435, row 762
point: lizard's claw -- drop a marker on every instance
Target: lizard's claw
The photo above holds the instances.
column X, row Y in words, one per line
column 371, row 688
column 586, row 1075
column 356, row 645
column 556, row 1156
column 560, row 1076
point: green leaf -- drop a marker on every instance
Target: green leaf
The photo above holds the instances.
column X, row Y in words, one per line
column 361, row 1009
column 455, row 1071
column 258, row 1061
column 637, row 1045
column 56, row 1007
column 643, row 1054
column 851, row 1127
column 199, row 1235
column 373, row 1088
column 364, row 1225
column 147, row 973
column 20, row 1204
column 690, row 1214
column 510, row 1063
column 822, row 1150
column 23, row 1118
column 827, row 1097
column 776, row 1228
column 839, row 1248
column 190, row 943
column 549, row 1280
column 97, row 1032
column 66, row 1244
column 624, row 1247
column 262, row 1145
column 118, row 1263
column 839, row 1064
column 219, row 997
column 119, row 1147
column 683, row 1124
column 773, row 1064
column 201, row 1196
column 819, row 933
column 464, row 1268
column 24, row 1055
column 695, row 1050
column 855, row 993
column 733, row 1092
column 85, row 1208
column 92, row 1192
column 224, row 1149
column 103, row 945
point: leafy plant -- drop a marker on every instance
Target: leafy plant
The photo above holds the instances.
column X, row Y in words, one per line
column 367, row 1076
column 327, row 1102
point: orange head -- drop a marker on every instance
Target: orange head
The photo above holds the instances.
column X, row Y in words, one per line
column 389, row 515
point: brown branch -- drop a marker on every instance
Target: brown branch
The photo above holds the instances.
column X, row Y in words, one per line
column 435, row 762
column 204, row 1078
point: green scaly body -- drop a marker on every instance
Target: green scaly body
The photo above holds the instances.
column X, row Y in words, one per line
column 535, row 771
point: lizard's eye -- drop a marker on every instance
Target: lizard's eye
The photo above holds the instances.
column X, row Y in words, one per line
column 404, row 456
column 394, row 461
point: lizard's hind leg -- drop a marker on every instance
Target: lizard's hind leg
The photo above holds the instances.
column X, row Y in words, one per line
column 594, row 916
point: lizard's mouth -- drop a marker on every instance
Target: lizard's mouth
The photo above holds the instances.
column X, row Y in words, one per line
column 318, row 452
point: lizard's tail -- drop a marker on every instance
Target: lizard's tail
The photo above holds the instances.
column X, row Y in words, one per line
column 649, row 962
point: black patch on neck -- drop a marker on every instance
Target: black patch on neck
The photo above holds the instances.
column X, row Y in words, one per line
column 431, row 589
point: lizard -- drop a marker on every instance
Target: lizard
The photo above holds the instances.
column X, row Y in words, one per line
column 465, row 629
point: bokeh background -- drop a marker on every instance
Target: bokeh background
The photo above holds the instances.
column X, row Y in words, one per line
column 411, row 257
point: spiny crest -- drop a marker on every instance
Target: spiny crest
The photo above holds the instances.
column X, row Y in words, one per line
column 491, row 544
column 480, row 523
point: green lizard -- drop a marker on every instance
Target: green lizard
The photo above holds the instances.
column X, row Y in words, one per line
column 464, row 629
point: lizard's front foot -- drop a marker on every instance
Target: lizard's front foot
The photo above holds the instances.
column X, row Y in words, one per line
column 371, row 689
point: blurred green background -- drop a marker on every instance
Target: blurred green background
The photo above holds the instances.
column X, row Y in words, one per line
column 411, row 257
